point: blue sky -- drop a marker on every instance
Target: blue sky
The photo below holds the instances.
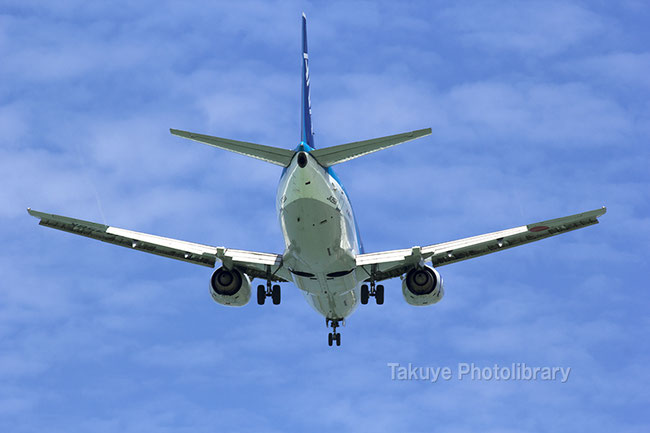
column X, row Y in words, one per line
column 538, row 110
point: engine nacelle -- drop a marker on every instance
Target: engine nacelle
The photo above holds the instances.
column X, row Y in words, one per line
column 422, row 286
column 230, row 287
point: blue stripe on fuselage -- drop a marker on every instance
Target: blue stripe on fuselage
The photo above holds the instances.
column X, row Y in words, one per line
column 330, row 171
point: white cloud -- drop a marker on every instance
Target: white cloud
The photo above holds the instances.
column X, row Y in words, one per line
column 535, row 29
column 627, row 70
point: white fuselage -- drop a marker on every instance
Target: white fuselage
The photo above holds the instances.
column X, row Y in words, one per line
column 320, row 236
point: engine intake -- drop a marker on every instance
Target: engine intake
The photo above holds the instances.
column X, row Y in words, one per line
column 422, row 286
column 230, row 287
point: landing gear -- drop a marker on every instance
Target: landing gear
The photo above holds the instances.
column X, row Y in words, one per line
column 379, row 294
column 261, row 294
column 376, row 291
column 268, row 291
column 364, row 294
column 333, row 336
column 275, row 294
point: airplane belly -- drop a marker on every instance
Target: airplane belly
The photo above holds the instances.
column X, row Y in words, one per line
column 334, row 306
column 319, row 237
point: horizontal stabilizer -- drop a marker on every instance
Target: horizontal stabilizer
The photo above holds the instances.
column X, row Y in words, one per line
column 344, row 152
column 274, row 155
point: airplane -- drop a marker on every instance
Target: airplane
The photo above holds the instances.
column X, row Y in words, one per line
column 324, row 256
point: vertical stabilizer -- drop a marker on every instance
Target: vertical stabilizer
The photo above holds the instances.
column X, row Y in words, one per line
column 307, row 131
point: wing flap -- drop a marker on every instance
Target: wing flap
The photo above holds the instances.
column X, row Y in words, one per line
column 241, row 256
column 329, row 156
column 274, row 155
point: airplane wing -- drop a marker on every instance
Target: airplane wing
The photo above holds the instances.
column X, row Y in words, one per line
column 388, row 264
column 255, row 264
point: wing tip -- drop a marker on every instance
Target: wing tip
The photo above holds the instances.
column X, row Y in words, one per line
column 36, row 214
column 184, row 134
column 421, row 132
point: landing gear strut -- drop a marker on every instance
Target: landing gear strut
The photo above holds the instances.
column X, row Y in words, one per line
column 333, row 336
column 376, row 291
column 269, row 291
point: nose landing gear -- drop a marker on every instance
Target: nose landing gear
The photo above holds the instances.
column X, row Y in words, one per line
column 333, row 336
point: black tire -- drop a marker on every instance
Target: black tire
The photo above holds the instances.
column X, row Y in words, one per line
column 365, row 294
column 261, row 294
column 330, row 338
column 338, row 339
column 379, row 294
column 275, row 295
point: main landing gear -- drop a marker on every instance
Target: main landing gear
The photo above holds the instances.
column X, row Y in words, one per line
column 376, row 291
column 333, row 336
column 268, row 291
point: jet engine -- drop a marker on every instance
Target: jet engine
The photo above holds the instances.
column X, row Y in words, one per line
column 230, row 287
column 422, row 286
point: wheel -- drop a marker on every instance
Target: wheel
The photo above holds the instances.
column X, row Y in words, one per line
column 261, row 294
column 275, row 295
column 330, row 338
column 338, row 339
column 364, row 294
column 379, row 294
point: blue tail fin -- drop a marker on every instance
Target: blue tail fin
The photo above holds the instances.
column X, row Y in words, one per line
column 307, row 131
